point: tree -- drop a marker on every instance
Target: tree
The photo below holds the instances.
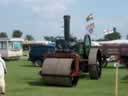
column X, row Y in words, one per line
column 29, row 38
column 113, row 36
column 127, row 37
column 17, row 34
column 3, row 35
column 100, row 39
column 50, row 38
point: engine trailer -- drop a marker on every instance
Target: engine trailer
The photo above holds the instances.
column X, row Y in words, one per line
column 118, row 51
column 70, row 59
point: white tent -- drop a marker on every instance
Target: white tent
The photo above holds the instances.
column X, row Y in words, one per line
column 95, row 43
column 114, row 42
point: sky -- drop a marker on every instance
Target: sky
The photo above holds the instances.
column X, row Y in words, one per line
column 41, row 18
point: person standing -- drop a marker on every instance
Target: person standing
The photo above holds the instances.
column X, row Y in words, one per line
column 3, row 71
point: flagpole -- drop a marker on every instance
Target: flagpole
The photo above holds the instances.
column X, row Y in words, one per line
column 116, row 79
column 95, row 35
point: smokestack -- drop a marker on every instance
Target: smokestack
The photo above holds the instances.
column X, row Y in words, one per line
column 67, row 28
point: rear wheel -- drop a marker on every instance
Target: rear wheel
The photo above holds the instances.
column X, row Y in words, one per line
column 95, row 66
column 95, row 71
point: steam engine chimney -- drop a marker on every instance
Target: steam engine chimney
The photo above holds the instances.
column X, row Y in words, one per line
column 67, row 28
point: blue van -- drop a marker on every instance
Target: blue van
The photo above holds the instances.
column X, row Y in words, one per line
column 37, row 51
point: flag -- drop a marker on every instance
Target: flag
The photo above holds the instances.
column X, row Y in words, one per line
column 89, row 17
column 108, row 31
column 90, row 30
column 90, row 27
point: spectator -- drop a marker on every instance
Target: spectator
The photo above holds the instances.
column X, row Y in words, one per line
column 3, row 71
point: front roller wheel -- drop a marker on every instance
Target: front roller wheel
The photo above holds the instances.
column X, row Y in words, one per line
column 58, row 71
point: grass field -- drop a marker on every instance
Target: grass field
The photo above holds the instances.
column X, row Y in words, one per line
column 23, row 80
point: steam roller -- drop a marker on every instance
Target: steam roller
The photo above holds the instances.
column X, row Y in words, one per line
column 71, row 58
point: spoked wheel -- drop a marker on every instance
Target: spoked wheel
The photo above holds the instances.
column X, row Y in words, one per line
column 87, row 45
column 95, row 66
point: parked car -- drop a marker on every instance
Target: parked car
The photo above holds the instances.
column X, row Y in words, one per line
column 37, row 51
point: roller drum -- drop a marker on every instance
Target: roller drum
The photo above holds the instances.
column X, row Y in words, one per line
column 58, row 71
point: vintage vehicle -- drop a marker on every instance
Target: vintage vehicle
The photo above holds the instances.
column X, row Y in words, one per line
column 64, row 66
column 116, row 52
column 11, row 48
column 37, row 51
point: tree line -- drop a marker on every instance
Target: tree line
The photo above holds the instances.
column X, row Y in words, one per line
column 112, row 36
column 16, row 34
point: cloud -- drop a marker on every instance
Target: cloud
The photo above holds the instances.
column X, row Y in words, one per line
column 49, row 13
column 46, row 13
column 48, row 8
column 43, row 8
column 120, row 22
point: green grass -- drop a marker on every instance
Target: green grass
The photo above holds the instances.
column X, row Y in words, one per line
column 23, row 80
